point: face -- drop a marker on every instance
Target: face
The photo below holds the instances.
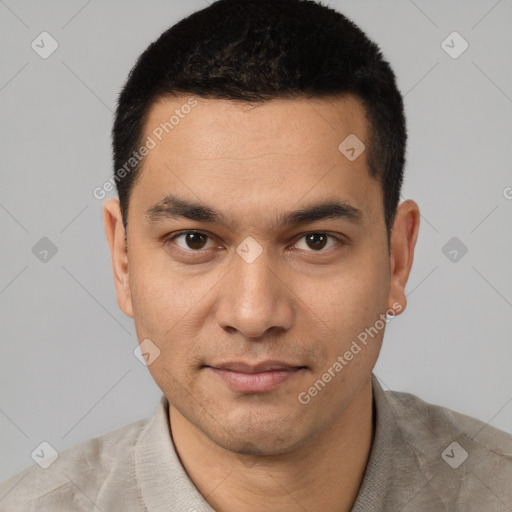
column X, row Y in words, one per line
column 256, row 256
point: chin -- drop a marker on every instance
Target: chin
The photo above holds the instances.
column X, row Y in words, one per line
column 258, row 439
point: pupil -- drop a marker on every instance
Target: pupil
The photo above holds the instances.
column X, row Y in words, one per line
column 318, row 244
column 193, row 240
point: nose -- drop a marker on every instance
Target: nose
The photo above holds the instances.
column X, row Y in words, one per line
column 255, row 299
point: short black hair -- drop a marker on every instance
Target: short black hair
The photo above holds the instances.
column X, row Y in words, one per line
column 258, row 50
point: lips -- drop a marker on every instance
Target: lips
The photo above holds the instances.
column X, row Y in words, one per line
column 255, row 378
column 264, row 366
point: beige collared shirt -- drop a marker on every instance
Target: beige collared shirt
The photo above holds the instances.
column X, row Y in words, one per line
column 423, row 458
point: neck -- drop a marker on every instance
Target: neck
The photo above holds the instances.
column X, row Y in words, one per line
column 324, row 474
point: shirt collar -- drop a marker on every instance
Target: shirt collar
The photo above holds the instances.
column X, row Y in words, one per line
column 378, row 471
column 164, row 484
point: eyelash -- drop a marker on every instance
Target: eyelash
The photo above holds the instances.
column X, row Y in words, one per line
column 171, row 237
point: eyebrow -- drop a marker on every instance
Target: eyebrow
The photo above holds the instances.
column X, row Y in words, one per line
column 174, row 207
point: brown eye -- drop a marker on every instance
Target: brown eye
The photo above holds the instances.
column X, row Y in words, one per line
column 193, row 240
column 317, row 241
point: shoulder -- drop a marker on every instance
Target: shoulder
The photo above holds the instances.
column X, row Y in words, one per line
column 460, row 459
column 417, row 417
column 75, row 478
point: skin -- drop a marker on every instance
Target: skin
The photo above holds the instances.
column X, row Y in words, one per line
column 295, row 303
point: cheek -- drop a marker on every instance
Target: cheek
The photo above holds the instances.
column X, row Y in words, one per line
column 171, row 308
column 161, row 294
column 163, row 308
column 354, row 297
column 351, row 304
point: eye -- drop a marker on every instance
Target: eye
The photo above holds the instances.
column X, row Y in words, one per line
column 191, row 240
column 197, row 241
column 317, row 241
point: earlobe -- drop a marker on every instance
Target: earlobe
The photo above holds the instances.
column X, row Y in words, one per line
column 403, row 242
column 115, row 232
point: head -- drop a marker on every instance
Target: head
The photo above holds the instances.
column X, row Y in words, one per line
column 259, row 148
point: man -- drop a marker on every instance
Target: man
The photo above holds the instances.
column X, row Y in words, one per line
column 260, row 247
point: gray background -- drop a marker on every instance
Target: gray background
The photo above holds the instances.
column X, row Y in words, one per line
column 67, row 370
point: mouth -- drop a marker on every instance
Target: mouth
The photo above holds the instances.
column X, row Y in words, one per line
column 255, row 378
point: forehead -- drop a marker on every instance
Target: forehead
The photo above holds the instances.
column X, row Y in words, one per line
column 285, row 149
column 221, row 127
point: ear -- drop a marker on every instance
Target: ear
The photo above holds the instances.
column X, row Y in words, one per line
column 403, row 241
column 115, row 232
